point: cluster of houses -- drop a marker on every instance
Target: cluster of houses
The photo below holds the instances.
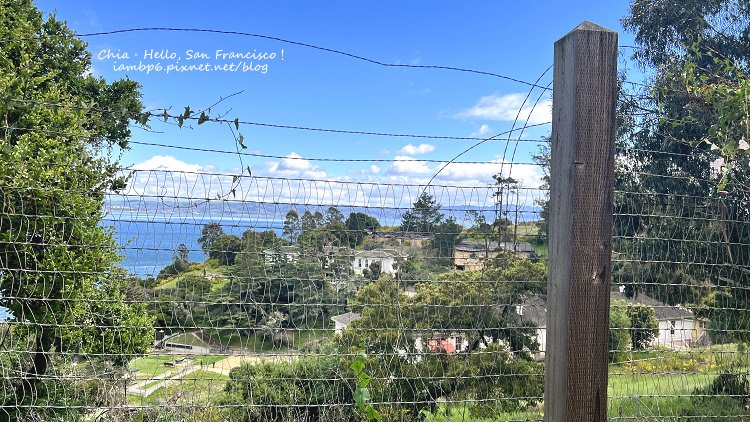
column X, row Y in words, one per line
column 466, row 255
column 679, row 327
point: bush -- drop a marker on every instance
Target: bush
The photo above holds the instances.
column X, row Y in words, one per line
column 175, row 268
column 644, row 327
column 619, row 331
column 728, row 384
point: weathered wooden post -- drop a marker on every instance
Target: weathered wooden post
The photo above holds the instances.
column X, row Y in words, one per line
column 580, row 238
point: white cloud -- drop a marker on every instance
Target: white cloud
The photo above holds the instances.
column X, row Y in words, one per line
column 374, row 169
column 410, row 149
column 403, row 164
column 506, row 108
column 295, row 166
column 167, row 163
column 483, row 130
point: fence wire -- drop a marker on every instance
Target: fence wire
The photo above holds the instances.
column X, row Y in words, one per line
column 247, row 297
column 167, row 291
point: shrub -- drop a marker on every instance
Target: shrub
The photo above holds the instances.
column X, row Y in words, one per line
column 619, row 331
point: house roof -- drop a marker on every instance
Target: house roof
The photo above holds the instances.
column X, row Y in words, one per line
column 519, row 246
column 403, row 235
column 662, row 311
column 379, row 253
column 346, row 319
column 476, row 246
column 534, row 309
column 494, row 246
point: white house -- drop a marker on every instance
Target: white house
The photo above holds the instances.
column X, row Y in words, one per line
column 679, row 328
column 388, row 259
column 534, row 310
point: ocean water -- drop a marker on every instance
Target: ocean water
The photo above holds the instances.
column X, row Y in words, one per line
column 148, row 244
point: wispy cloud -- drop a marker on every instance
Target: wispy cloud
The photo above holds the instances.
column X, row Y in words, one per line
column 509, row 107
column 482, row 131
column 295, row 166
column 410, row 149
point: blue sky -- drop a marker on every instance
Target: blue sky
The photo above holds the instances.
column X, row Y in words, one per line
column 318, row 89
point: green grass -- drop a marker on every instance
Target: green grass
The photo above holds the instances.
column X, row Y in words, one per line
column 233, row 338
column 210, row 266
column 151, row 366
column 655, row 395
column 196, row 388
column 301, row 337
column 259, row 342
column 209, row 359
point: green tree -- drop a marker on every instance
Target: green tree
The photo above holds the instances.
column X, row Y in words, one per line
column 412, row 378
column 56, row 166
column 619, row 330
column 357, row 225
column 182, row 253
column 373, row 271
column 209, row 233
column 314, row 388
column 292, row 226
column 333, row 216
column 644, row 327
column 424, row 216
column 673, row 208
column 225, row 248
column 446, row 234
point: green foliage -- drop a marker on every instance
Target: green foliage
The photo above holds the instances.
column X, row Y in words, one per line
column 177, row 267
column 313, row 389
column 412, row 377
column 644, row 327
column 209, row 233
column 225, row 248
column 699, row 110
column 181, row 306
column 357, row 225
column 362, row 393
column 373, row 271
column 182, row 253
column 296, row 287
column 733, row 385
column 292, row 226
column 619, row 331
column 423, row 217
column 446, row 234
column 59, row 263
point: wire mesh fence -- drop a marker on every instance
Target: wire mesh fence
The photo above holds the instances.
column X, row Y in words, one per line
column 152, row 292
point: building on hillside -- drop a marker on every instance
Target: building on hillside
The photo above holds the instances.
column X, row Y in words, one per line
column 415, row 239
column 679, row 328
column 341, row 322
column 534, row 309
column 472, row 255
column 288, row 253
column 388, row 259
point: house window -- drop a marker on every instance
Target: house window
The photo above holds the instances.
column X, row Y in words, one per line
column 672, row 325
column 367, row 264
column 360, row 263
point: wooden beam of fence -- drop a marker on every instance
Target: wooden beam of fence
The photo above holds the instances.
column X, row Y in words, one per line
column 581, row 206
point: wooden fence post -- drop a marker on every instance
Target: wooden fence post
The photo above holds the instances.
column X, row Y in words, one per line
column 580, row 238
